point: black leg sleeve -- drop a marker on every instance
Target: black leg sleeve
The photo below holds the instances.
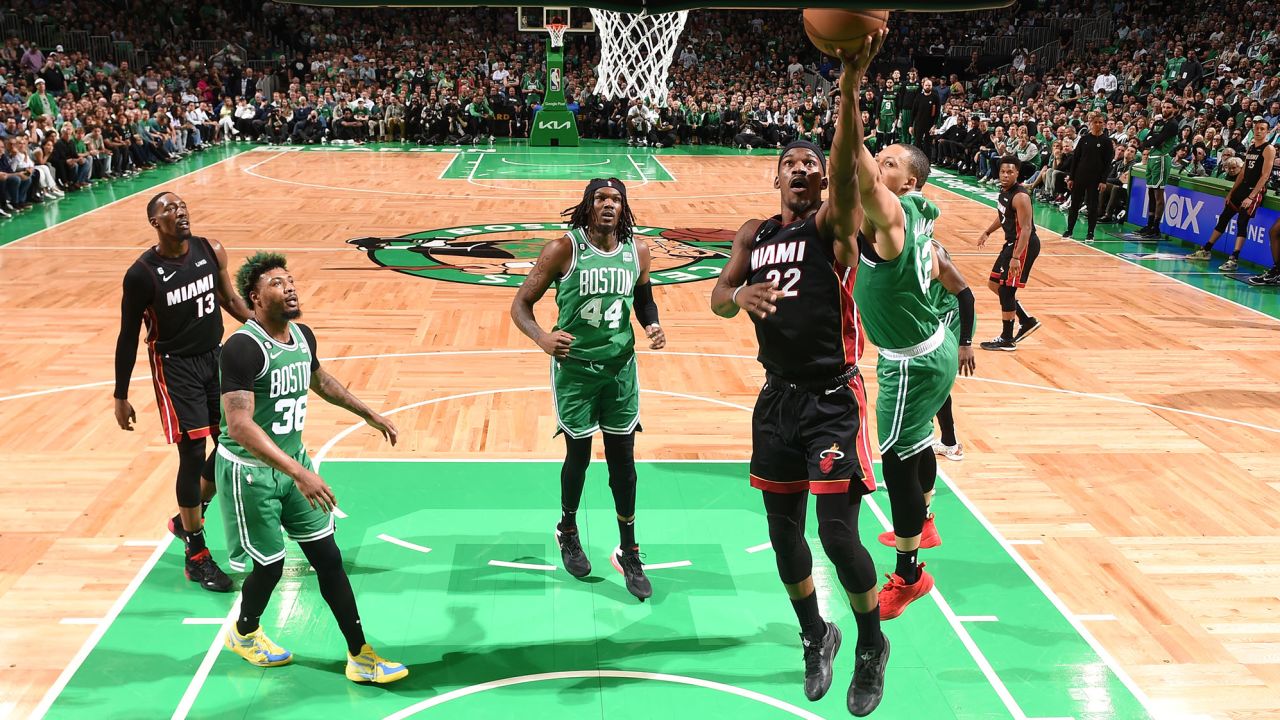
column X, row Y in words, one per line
column 335, row 586
column 906, row 498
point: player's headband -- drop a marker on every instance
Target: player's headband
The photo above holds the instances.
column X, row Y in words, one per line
column 822, row 159
column 598, row 183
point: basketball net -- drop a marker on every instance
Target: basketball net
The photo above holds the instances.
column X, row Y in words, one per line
column 635, row 53
column 556, row 31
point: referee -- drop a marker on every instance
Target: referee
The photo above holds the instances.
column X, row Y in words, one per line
column 1087, row 174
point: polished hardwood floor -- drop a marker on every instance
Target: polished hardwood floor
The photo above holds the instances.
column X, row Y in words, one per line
column 1130, row 447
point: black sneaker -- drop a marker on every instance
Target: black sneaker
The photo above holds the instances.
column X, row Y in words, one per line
column 867, row 687
column 1270, row 277
column 1000, row 344
column 1069, row 234
column 202, row 569
column 628, row 563
column 1025, row 329
column 575, row 561
column 818, row 658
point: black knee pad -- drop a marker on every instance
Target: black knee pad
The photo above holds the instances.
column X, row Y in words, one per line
column 928, row 471
column 323, row 554
column 191, row 461
column 906, row 497
column 1008, row 297
column 795, row 561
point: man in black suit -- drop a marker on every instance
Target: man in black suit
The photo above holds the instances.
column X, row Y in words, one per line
column 1087, row 173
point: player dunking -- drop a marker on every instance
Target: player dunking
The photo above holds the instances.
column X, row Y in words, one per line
column 1012, row 268
column 600, row 269
column 265, row 477
column 794, row 275
column 179, row 288
column 918, row 354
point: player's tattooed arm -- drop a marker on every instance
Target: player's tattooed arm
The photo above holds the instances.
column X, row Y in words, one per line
column 552, row 263
column 238, row 406
column 228, row 298
column 335, row 393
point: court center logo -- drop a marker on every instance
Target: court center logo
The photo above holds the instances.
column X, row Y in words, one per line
column 502, row 254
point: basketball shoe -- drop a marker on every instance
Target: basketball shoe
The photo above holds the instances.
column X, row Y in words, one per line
column 368, row 666
column 628, row 563
column 575, row 561
column 950, row 452
column 929, row 537
column 203, row 570
column 1025, row 329
column 256, row 648
column 818, row 658
column 896, row 594
column 867, row 687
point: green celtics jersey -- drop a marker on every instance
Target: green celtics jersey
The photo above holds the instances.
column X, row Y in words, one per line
column 279, row 392
column 893, row 295
column 888, row 109
column 595, row 297
column 943, row 302
column 1172, row 69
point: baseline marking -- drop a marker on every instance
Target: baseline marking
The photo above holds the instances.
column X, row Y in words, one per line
column 758, row 548
column 668, row 565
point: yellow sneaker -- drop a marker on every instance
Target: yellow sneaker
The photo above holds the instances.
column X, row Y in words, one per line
column 368, row 666
column 256, row 648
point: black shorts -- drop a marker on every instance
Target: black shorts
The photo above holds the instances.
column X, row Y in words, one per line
column 1235, row 208
column 811, row 438
column 187, row 394
column 1000, row 271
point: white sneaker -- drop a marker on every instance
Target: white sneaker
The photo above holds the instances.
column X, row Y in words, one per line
column 950, row 452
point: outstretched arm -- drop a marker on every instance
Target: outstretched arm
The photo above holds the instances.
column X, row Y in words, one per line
column 840, row 217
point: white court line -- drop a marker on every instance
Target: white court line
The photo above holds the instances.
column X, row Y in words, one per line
column 337, row 512
column 449, row 165
column 203, row 621
column 1053, row 596
column 1096, row 618
column 655, row 461
column 101, row 629
column 119, row 200
column 977, row 618
column 668, row 565
column 596, row 674
column 663, row 165
column 865, row 366
column 404, row 543
column 966, row 639
column 542, row 165
column 206, row 664
column 80, row 621
column 521, row 566
column 643, row 178
column 758, row 548
column 1124, row 260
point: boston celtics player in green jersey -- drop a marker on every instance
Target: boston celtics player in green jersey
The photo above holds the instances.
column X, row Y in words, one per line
column 266, row 480
column 600, row 269
column 918, row 356
column 1159, row 145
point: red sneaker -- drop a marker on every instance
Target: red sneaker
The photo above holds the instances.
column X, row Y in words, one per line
column 929, row 537
column 896, row 595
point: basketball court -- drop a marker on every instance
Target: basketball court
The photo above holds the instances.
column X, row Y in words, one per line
column 1109, row 541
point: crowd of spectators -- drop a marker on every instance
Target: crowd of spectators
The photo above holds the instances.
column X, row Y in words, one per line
column 283, row 73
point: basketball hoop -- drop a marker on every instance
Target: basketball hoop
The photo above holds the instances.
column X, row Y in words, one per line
column 556, row 31
column 635, row 53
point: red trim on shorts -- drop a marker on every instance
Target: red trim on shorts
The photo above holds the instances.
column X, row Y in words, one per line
column 864, row 433
column 850, row 322
column 168, row 416
column 828, row 487
column 796, row 486
column 198, row 433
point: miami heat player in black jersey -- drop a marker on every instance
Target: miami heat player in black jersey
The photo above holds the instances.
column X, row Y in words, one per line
column 794, row 274
column 1012, row 268
column 179, row 288
column 1245, row 197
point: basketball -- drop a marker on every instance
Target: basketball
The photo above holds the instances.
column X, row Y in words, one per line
column 831, row 30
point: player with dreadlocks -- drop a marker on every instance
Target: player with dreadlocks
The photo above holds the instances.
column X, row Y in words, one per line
column 600, row 269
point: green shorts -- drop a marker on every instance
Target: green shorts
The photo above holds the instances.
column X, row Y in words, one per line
column 1158, row 168
column 592, row 396
column 914, row 383
column 257, row 503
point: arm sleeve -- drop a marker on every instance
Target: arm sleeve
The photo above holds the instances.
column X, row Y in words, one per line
column 965, row 298
column 646, row 308
column 241, row 362
column 310, row 337
column 138, row 293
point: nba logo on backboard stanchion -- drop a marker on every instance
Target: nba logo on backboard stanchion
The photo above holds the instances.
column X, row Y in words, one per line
column 555, row 79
